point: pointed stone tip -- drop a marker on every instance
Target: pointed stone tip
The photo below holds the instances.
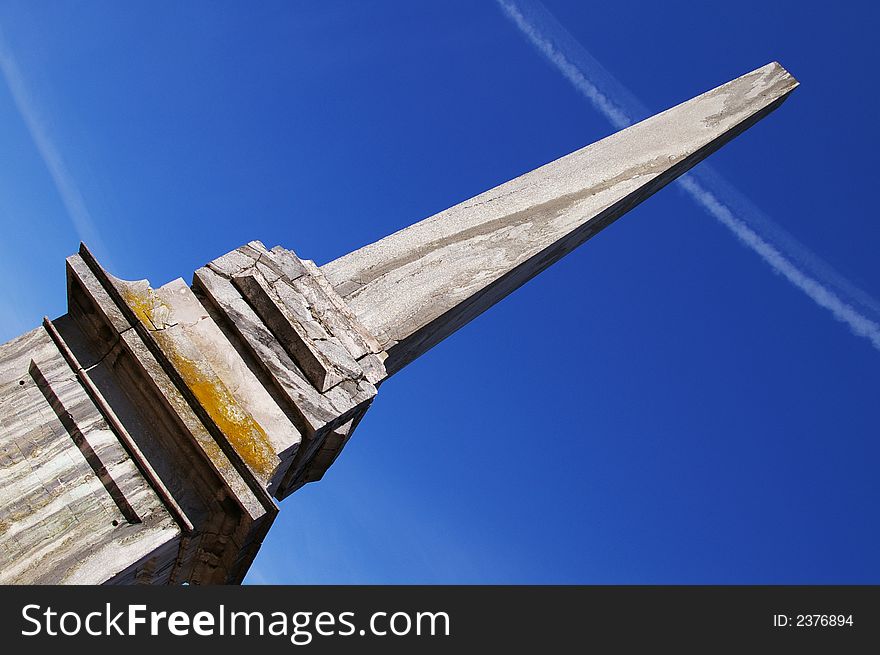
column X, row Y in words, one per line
column 783, row 72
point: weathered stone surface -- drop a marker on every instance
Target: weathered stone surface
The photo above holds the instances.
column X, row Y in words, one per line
column 291, row 265
column 297, row 330
column 171, row 433
column 75, row 507
column 308, row 326
column 257, row 429
column 176, row 402
column 370, row 343
column 315, row 410
column 126, row 443
column 287, row 315
column 415, row 287
column 373, row 367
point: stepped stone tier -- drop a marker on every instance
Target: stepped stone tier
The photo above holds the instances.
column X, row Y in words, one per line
column 146, row 435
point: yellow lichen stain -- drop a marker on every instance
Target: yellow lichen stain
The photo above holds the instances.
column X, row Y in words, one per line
column 142, row 302
column 241, row 430
column 245, row 435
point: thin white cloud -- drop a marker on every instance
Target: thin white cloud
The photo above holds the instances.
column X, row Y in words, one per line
column 569, row 70
column 815, row 290
column 64, row 182
column 619, row 107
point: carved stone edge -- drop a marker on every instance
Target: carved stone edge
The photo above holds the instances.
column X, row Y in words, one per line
column 238, row 543
column 305, row 339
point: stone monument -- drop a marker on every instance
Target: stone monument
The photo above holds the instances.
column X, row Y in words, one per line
column 146, row 435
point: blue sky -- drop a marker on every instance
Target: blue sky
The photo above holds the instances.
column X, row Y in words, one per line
column 658, row 407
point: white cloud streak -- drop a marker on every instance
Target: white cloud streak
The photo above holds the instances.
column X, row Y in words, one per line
column 64, row 182
column 815, row 290
column 582, row 71
column 569, row 70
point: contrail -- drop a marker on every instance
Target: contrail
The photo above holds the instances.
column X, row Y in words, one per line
column 569, row 70
column 622, row 109
column 67, row 189
column 817, row 292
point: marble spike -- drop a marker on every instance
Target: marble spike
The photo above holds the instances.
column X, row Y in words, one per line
column 146, row 434
column 417, row 286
